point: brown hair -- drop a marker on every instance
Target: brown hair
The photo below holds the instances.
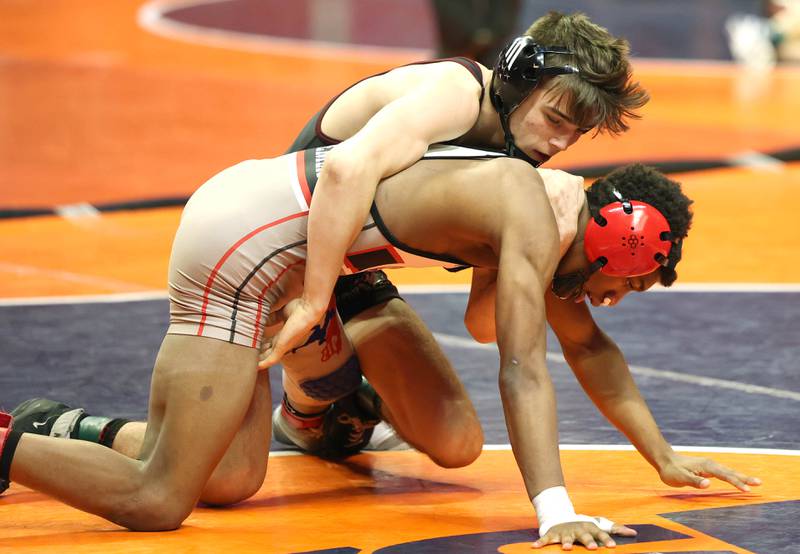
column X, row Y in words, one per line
column 602, row 95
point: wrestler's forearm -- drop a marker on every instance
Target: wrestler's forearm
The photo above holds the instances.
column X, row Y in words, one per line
column 530, row 411
column 607, row 380
column 336, row 216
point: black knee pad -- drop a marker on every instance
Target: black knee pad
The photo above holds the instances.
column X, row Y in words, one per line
column 355, row 293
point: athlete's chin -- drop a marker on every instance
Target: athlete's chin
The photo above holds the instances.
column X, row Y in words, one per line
column 539, row 156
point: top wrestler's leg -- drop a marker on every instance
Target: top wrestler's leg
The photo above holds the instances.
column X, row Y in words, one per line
column 201, row 391
column 241, row 471
column 423, row 396
column 320, row 380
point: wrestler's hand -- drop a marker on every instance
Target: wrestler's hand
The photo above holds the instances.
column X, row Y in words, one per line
column 584, row 532
column 299, row 317
column 692, row 471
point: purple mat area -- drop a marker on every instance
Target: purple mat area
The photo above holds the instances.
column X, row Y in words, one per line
column 99, row 356
column 769, row 527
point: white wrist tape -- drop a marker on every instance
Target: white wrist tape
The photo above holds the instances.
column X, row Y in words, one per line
column 553, row 507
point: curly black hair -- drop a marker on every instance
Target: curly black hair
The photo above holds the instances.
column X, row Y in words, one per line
column 647, row 184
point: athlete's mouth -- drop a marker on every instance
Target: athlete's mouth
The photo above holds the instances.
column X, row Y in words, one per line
column 604, row 301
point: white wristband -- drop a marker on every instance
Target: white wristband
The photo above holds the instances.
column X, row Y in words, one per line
column 553, row 507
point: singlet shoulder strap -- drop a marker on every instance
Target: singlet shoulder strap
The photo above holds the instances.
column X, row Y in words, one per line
column 470, row 65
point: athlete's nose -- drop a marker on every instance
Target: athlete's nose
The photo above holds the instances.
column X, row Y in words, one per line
column 560, row 143
column 565, row 140
column 614, row 297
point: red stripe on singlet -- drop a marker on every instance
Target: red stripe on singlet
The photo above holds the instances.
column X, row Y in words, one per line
column 350, row 265
column 397, row 257
column 301, row 176
column 228, row 254
column 257, row 331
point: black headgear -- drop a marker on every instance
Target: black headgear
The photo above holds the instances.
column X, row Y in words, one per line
column 520, row 67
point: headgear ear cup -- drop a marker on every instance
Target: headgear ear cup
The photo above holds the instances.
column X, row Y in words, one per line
column 520, row 67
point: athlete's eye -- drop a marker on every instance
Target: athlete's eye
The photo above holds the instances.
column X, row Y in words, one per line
column 553, row 120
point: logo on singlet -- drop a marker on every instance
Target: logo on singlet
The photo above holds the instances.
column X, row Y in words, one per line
column 319, row 157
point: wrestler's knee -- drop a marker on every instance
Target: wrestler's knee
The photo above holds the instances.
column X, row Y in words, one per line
column 456, row 447
column 233, row 486
column 400, row 315
column 241, row 472
column 152, row 507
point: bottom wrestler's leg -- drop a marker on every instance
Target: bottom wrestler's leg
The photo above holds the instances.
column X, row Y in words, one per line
column 421, row 394
column 354, row 293
column 200, row 395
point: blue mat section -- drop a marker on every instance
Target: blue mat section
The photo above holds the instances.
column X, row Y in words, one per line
column 100, row 355
column 492, row 542
column 97, row 356
column 742, row 526
column 743, row 337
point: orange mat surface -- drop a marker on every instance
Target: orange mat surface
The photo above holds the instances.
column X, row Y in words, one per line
column 377, row 500
column 97, row 109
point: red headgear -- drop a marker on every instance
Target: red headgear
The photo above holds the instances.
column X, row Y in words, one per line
column 632, row 237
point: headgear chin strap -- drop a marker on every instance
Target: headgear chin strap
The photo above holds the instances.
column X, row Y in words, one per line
column 626, row 238
column 570, row 285
column 520, row 67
